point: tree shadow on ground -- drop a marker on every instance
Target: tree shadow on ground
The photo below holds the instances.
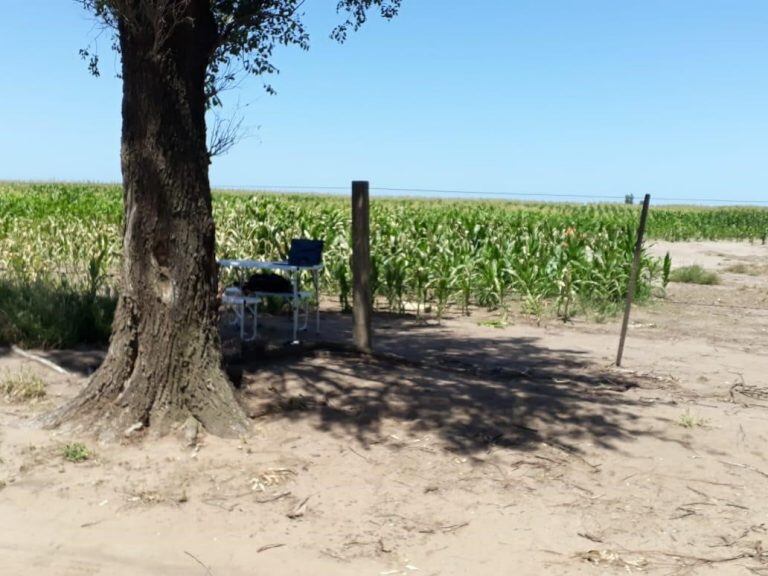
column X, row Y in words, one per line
column 442, row 385
column 427, row 339
column 82, row 360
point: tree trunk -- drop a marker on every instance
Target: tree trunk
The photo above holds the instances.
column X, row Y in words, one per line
column 164, row 360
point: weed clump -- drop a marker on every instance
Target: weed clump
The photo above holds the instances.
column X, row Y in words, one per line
column 746, row 269
column 76, row 452
column 23, row 386
column 688, row 420
column 694, row 275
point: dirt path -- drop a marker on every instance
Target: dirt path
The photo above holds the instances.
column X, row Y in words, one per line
column 515, row 450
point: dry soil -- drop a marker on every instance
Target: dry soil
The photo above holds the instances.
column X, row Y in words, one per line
column 489, row 449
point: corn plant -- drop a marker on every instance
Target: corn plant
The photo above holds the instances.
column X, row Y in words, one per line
column 431, row 253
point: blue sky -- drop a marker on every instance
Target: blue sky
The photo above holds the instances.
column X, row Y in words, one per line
column 589, row 97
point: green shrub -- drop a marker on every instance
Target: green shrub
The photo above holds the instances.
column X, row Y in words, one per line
column 76, row 452
column 694, row 275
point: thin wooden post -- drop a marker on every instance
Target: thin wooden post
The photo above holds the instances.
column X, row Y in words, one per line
column 633, row 276
column 362, row 303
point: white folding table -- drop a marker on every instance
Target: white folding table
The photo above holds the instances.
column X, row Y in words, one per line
column 295, row 296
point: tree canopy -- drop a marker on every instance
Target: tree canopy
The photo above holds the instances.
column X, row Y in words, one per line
column 247, row 31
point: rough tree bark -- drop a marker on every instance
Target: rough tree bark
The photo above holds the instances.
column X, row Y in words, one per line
column 164, row 359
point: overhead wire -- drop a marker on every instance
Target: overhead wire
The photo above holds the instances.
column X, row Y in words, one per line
column 488, row 193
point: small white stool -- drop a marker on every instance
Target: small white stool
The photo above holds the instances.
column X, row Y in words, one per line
column 234, row 299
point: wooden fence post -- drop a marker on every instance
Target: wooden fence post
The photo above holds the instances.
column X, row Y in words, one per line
column 362, row 302
column 633, row 277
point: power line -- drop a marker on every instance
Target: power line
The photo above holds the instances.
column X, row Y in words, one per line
column 729, row 201
column 425, row 191
column 506, row 194
column 341, row 189
column 274, row 187
column 550, row 195
column 603, row 197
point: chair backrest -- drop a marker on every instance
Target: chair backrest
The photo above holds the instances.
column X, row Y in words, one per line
column 305, row 252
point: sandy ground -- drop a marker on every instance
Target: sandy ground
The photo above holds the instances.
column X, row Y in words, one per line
column 515, row 450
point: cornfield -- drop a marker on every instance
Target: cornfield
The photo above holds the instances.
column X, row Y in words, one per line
column 426, row 253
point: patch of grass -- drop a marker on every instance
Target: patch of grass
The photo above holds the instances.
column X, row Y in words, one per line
column 601, row 311
column 694, row 275
column 688, row 420
column 49, row 313
column 493, row 324
column 76, row 452
column 23, row 386
column 744, row 268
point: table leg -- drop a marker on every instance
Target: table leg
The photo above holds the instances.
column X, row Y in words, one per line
column 242, row 320
column 295, row 280
column 254, row 310
column 317, row 300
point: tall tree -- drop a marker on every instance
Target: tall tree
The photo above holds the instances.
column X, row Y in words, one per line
column 164, row 360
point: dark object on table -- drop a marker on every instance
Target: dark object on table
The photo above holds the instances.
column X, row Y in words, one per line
column 267, row 282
